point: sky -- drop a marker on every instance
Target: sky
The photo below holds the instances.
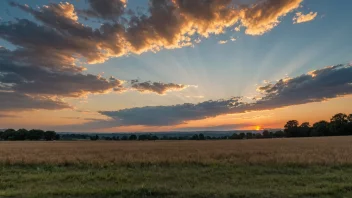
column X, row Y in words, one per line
column 173, row 65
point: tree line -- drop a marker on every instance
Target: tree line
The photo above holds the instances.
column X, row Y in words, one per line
column 339, row 125
column 23, row 134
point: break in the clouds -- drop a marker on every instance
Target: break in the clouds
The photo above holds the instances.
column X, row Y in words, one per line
column 156, row 87
column 315, row 86
column 302, row 18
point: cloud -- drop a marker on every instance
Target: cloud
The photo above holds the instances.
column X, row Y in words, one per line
column 47, row 60
column 315, row 86
column 24, row 75
column 265, row 15
column 11, row 101
column 105, row 9
column 168, row 24
column 8, row 116
column 156, row 87
column 302, row 18
column 223, row 42
column 172, row 115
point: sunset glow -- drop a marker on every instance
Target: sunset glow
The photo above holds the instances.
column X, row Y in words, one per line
column 83, row 67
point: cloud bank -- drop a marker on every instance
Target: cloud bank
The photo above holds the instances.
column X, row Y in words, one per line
column 315, row 86
column 49, row 52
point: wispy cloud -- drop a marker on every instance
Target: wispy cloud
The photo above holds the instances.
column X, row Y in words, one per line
column 156, row 87
column 223, row 42
column 302, row 18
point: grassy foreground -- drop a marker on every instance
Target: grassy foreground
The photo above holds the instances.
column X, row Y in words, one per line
column 318, row 167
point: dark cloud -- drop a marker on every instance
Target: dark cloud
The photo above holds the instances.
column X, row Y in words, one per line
column 176, row 114
column 105, row 9
column 316, row 86
column 23, row 76
column 62, row 31
column 156, row 87
column 8, row 116
column 11, row 101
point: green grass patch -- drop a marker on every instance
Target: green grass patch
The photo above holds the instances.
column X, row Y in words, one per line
column 175, row 181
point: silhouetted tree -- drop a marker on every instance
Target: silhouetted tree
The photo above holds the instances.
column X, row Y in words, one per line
column 195, row 137
column 338, row 124
column 154, row 137
column 35, row 134
column 304, row 129
column 266, row 134
column 242, row 135
column 94, row 138
column 201, row 136
column 133, row 137
column 49, row 135
column 124, row 137
column 291, row 128
column 249, row 135
column 320, row 128
column 279, row 134
column 258, row 136
column 235, row 136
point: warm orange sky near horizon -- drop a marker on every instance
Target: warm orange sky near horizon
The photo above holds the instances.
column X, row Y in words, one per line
column 267, row 119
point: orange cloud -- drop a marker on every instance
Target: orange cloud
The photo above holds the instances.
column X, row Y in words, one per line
column 302, row 18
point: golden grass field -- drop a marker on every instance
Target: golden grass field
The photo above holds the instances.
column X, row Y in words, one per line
column 262, row 168
column 320, row 151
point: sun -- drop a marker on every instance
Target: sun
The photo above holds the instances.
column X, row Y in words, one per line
column 257, row 128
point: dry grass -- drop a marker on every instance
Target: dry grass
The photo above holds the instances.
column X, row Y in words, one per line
column 320, row 151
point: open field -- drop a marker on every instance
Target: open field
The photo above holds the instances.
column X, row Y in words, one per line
column 307, row 167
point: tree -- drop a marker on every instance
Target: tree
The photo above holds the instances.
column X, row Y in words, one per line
column 349, row 125
column 201, row 136
column 21, row 134
column 279, row 134
column 249, row 135
column 304, row 129
column 195, row 137
column 49, row 135
column 234, row 136
column 8, row 134
column 291, row 128
column 133, row 137
column 94, row 138
column 349, row 118
column 242, row 135
column 35, row 134
column 124, row 137
column 266, row 134
column 320, row 128
column 338, row 124
column 258, row 136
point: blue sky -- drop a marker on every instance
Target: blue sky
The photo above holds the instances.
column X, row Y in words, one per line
column 212, row 70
